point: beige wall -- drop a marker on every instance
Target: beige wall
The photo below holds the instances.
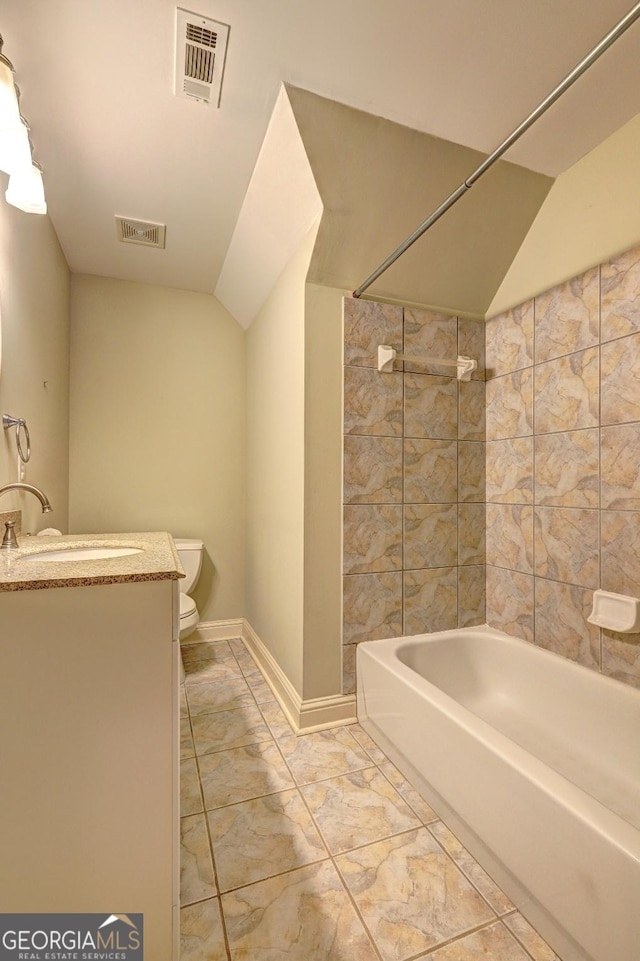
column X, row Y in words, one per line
column 323, row 492
column 591, row 213
column 34, row 379
column 275, row 467
column 158, row 424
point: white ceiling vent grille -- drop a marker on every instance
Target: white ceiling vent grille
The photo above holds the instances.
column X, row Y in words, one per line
column 201, row 49
column 140, row 232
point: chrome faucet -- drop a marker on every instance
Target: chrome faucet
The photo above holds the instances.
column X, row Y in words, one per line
column 9, row 541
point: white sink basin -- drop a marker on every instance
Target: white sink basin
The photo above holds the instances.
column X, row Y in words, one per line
column 97, row 553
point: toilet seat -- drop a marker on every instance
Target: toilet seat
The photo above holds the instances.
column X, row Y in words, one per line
column 187, row 606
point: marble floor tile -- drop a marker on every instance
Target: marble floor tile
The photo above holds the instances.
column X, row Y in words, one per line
column 470, row 867
column 186, row 740
column 190, row 797
column 304, row 915
column 494, row 943
column 237, row 645
column 411, row 895
column 184, row 708
column 365, row 741
column 197, row 882
column 325, row 754
column 530, row 939
column 247, row 664
column 259, row 688
column 257, row 839
column 415, row 801
column 243, row 773
column 358, row 808
column 217, row 652
column 283, row 898
column 221, row 672
column 201, row 934
column 210, row 698
column 227, row 729
column 276, row 719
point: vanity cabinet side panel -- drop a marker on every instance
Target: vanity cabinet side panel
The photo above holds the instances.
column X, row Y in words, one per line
column 87, row 753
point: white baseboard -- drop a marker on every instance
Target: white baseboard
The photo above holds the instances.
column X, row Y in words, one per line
column 216, row 631
column 315, row 714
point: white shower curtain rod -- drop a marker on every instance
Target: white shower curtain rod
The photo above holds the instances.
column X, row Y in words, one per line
column 555, row 94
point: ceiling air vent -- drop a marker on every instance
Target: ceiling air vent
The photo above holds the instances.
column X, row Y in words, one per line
column 140, row 232
column 201, row 49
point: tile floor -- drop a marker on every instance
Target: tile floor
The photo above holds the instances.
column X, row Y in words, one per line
column 316, row 848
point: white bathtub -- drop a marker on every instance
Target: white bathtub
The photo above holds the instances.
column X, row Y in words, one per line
column 533, row 761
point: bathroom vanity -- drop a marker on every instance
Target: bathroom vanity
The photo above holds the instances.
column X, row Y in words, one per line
column 89, row 731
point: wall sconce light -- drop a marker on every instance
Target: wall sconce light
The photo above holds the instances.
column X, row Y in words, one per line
column 25, row 189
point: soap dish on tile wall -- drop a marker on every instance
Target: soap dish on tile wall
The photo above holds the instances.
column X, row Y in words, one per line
column 615, row 612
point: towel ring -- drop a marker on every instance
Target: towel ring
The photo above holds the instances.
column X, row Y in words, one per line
column 20, row 425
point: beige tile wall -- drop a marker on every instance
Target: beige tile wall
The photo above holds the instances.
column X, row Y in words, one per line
column 563, row 464
column 414, row 485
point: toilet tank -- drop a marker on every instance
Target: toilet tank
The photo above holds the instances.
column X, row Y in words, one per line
column 190, row 554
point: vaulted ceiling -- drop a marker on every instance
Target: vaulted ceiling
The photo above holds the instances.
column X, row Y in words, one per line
column 97, row 90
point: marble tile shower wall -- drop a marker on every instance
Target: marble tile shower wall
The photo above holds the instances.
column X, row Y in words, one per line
column 563, row 464
column 414, row 478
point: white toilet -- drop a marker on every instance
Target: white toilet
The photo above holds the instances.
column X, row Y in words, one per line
column 190, row 554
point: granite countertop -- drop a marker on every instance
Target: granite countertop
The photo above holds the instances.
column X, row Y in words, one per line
column 156, row 561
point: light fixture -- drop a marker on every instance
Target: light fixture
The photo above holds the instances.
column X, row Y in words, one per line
column 9, row 109
column 15, row 152
column 26, row 190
